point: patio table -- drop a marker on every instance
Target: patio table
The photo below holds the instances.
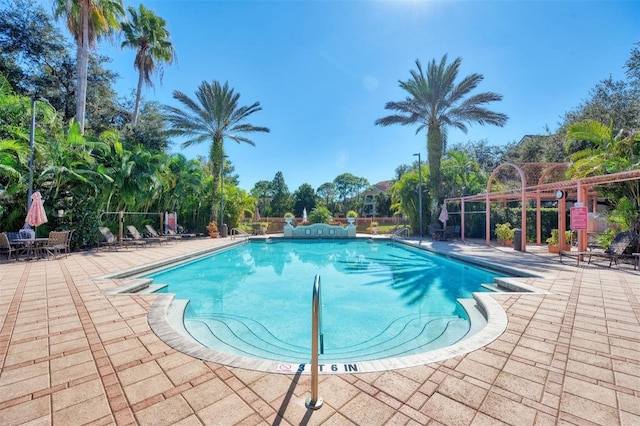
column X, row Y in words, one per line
column 33, row 247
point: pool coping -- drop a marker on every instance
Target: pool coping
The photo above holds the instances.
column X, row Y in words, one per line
column 165, row 317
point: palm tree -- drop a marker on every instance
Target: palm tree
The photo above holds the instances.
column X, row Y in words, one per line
column 436, row 102
column 146, row 32
column 88, row 20
column 215, row 116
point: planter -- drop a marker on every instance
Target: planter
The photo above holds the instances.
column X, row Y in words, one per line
column 556, row 248
column 507, row 243
column 213, row 234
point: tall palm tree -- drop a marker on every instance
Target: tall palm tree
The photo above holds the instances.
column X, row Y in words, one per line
column 215, row 116
column 148, row 35
column 436, row 102
column 88, row 20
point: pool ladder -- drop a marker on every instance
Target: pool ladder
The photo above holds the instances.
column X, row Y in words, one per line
column 402, row 232
column 314, row 401
column 237, row 232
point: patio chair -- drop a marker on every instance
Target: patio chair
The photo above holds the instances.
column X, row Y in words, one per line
column 155, row 234
column 59, row 242
column 67, row 246
column 7, row 248
column 137, row 236
column 56, row 244
column 435, row 232
column 110, row 240
column 615, row 250
column 18, row 235
column 451, row 231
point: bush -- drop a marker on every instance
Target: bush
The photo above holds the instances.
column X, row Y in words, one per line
column 320, row 215
column 504, row 231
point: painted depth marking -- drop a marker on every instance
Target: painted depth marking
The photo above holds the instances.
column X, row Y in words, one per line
column 322, row 368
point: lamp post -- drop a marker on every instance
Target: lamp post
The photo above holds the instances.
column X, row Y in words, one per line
column 222, row 233
column 419, row 191
column 221, row 194
column 31, row 146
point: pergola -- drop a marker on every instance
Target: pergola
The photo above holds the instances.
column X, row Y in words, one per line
column 513, row 181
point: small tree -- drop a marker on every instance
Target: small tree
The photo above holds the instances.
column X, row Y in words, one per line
column 320, row 214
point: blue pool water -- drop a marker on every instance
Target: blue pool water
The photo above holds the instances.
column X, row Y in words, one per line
column 380, row 299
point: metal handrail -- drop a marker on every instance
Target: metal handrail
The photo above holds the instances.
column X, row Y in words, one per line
column 314, row 401
column 397, row 234
column 237, row 231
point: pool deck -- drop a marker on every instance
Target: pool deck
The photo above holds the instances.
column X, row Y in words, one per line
column 71, row 355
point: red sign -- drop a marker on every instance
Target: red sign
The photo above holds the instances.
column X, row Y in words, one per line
column 578, row 218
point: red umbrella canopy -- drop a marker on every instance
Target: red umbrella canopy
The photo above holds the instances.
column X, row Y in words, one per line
column 36, row 215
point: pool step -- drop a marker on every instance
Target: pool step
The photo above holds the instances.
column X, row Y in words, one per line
column 405, row 336
column 493, row 287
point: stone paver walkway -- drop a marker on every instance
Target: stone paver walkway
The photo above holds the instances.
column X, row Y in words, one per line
column 69, row 355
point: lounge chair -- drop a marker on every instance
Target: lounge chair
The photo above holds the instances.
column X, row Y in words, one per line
column 137, row 236
column 615, row 250
column 155, row 234
column 110, row 240
column 182, row 234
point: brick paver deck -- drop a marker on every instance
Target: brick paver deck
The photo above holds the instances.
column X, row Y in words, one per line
column 71, row 355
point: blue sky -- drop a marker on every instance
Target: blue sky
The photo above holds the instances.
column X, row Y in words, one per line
column 323, row 71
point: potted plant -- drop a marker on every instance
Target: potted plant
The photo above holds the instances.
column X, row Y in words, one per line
column 505, row 233
column 351, row 216
column 288, row 217
column 212, row 228
column 374, row 227
column 553, row 242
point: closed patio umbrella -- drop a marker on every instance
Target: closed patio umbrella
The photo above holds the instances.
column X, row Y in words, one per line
column 304, row 215
column 444, row 215
column 36, row 215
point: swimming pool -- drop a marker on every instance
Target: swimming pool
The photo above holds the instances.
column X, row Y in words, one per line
column 380, row 299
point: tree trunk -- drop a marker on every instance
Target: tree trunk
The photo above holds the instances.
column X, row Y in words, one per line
column 138, row 95
column 82, row 65
column 216, row 158
column 434, row 154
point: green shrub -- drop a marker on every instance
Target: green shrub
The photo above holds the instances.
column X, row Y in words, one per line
column 504, row 231
column 320, row 214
